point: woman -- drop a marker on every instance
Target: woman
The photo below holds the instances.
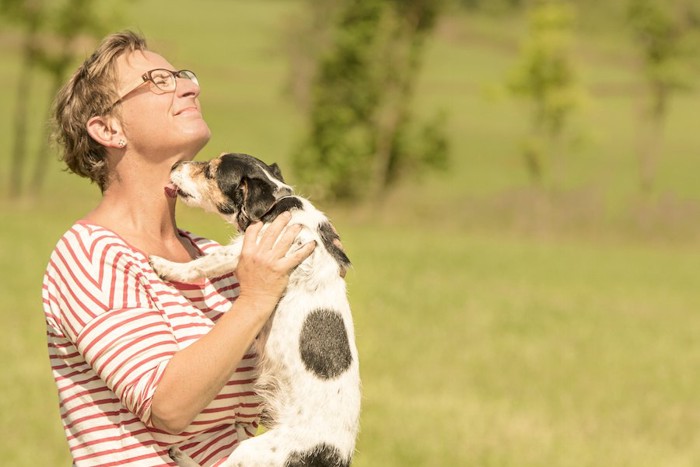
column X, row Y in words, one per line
column 143, row 364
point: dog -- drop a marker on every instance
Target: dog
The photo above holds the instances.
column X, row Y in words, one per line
column 309, row 370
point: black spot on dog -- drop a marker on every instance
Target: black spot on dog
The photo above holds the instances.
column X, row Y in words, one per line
column 328, row 237
column 283, row 205
column 322, row 455
column 323, row 344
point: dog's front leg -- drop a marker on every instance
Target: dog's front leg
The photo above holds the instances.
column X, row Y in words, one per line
column 217, row 263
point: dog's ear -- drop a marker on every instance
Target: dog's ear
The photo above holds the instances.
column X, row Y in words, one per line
column 259, row 197
column 230, row 180
column 274, row 168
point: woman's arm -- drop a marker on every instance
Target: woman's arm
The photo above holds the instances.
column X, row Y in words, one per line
column 196, row 374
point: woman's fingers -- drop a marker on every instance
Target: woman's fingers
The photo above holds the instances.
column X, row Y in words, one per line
column 273, row 231
column 286, row 239
column 298, row 257
column 265, row 265
column 250, row 236
column 276, row 241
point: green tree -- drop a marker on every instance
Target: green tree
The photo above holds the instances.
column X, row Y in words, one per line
column 545, row 78
column 52, row 32
column 666, row 33
column 72, row 20
column 362, row 134
column 307, row 37
column 29, row 14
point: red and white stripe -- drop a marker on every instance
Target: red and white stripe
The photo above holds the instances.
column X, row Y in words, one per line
column 112, row 326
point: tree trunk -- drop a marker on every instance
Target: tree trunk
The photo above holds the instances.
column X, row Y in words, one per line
column 403, row 51
column 652, row 136
column 42, row 154
column 19, row 149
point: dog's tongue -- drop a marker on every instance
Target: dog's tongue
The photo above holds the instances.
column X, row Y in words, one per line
column 170, row 190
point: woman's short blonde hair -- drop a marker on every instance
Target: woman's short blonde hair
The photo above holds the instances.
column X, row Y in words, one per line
column 91, row 91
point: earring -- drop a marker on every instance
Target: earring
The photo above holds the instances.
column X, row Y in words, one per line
column 122, row 143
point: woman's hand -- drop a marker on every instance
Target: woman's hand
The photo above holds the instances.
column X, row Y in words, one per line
column 263, row 268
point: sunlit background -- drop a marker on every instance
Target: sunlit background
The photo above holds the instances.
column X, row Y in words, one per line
column 517, row 184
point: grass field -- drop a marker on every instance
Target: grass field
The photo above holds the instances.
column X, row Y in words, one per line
column 496, row 327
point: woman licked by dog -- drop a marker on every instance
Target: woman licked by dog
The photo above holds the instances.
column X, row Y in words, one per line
column 142, row 364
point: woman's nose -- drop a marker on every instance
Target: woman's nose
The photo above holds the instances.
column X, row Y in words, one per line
column 186, row 87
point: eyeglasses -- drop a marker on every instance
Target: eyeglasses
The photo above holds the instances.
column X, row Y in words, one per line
column 161, row 79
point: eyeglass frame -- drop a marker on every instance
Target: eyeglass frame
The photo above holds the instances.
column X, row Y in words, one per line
column 148, row 77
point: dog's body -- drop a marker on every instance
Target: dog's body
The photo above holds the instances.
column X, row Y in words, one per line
column 309, row 371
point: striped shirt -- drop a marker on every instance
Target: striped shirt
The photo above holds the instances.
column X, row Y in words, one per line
column 112, row 325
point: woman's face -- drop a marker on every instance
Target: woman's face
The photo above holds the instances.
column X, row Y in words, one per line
column 163, row 124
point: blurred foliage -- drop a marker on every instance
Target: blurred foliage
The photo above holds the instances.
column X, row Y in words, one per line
column 52, row 31
column 307, row 37
column 545, row 77
column 491, row 6
column 667, row 34
column 363, row 131
column 360, row 110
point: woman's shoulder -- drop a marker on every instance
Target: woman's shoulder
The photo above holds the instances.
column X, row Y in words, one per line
column 92, row 270
column 86, row 242
column 89, row 232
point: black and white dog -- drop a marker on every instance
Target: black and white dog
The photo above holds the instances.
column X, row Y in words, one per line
column 309, row 370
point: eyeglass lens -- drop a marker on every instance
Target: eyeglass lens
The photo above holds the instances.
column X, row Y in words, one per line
column 165, row 80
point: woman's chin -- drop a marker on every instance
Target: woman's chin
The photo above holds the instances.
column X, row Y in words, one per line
column 195, row 139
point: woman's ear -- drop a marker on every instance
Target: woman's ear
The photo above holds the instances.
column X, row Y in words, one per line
column 106, row 131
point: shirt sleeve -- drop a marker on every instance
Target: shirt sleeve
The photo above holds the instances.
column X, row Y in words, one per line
column 129, row 350
column 106, row 309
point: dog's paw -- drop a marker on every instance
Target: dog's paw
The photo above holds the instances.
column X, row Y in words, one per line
column 180, row 458
column 189, row 273
column 161, row 266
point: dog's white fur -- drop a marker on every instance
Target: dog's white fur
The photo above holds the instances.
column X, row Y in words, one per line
column 306, row 413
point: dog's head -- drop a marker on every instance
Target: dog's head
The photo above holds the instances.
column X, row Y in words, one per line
column 239, row 187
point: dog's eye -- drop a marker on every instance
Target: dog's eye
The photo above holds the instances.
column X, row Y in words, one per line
column 207, row 171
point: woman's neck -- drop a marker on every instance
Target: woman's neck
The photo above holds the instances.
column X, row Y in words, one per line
column 134, row 206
